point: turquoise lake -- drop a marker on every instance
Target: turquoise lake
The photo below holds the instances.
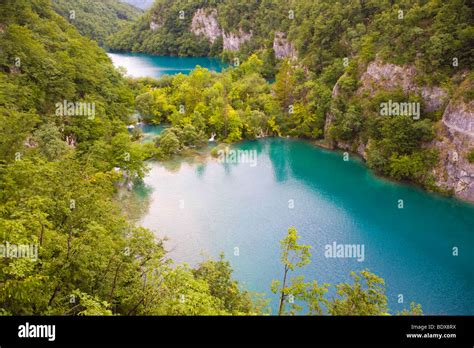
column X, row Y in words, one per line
column 146, row 65
column 150, row 132
column 206, row 207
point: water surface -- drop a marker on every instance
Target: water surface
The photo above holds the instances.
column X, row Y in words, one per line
column 147, row 65
column 206, row 207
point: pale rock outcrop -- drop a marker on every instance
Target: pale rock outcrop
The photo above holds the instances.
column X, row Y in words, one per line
column 434, row 98
column 233, row 41
column 455, row 138
column 388, row 76
column 283, row 48
column 156, row 23
column 205, row 24
column 460, row 117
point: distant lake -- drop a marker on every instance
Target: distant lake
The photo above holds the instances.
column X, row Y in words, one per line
column 146, row 65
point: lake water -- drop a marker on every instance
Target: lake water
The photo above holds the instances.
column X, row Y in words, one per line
column 146, row 65
column 150, row 132
column 205, row 207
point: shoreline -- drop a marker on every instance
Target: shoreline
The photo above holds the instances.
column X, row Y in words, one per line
column 205, row 152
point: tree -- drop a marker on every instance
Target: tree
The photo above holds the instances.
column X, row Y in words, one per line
column 415, row 309
column 221, row 285
column 360, row 298
column 285, row 85
column 50, row 144
column 169, row 143
column 293, row 255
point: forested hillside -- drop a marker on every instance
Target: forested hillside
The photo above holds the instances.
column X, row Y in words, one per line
column 58, row 179
column 97, row 19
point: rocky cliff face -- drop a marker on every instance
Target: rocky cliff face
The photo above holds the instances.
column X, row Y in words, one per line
column 455, row 138
column 283, row 48
column 387, row 76
column 206, row 24
column 155, row 23
column 233, row 41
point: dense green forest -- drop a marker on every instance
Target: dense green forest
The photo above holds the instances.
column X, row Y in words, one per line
column 60, row 170
column 97, row 19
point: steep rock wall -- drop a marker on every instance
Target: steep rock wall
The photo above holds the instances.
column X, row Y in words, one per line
column 205, row 24
column 282, row 47
column 233, row 41
column 455, row 138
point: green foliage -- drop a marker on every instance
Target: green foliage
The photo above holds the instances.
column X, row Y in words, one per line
column 169, row 143
column 334, row 41
column 153, row 107
column 348, row 122
column 415, row 309
column 218, row 274
column 470, row 156
column 395, row 148
column 59, row 175
column 97, row 19
column 366, row 296
column 412, row 167
column 234, row 105
column 170, row 35
column 293, row 256
column 88, row 305
column 49, row 142
column 174, row 140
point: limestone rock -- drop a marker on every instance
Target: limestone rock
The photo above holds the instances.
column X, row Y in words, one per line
column 283, row 48
column 205, row 24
